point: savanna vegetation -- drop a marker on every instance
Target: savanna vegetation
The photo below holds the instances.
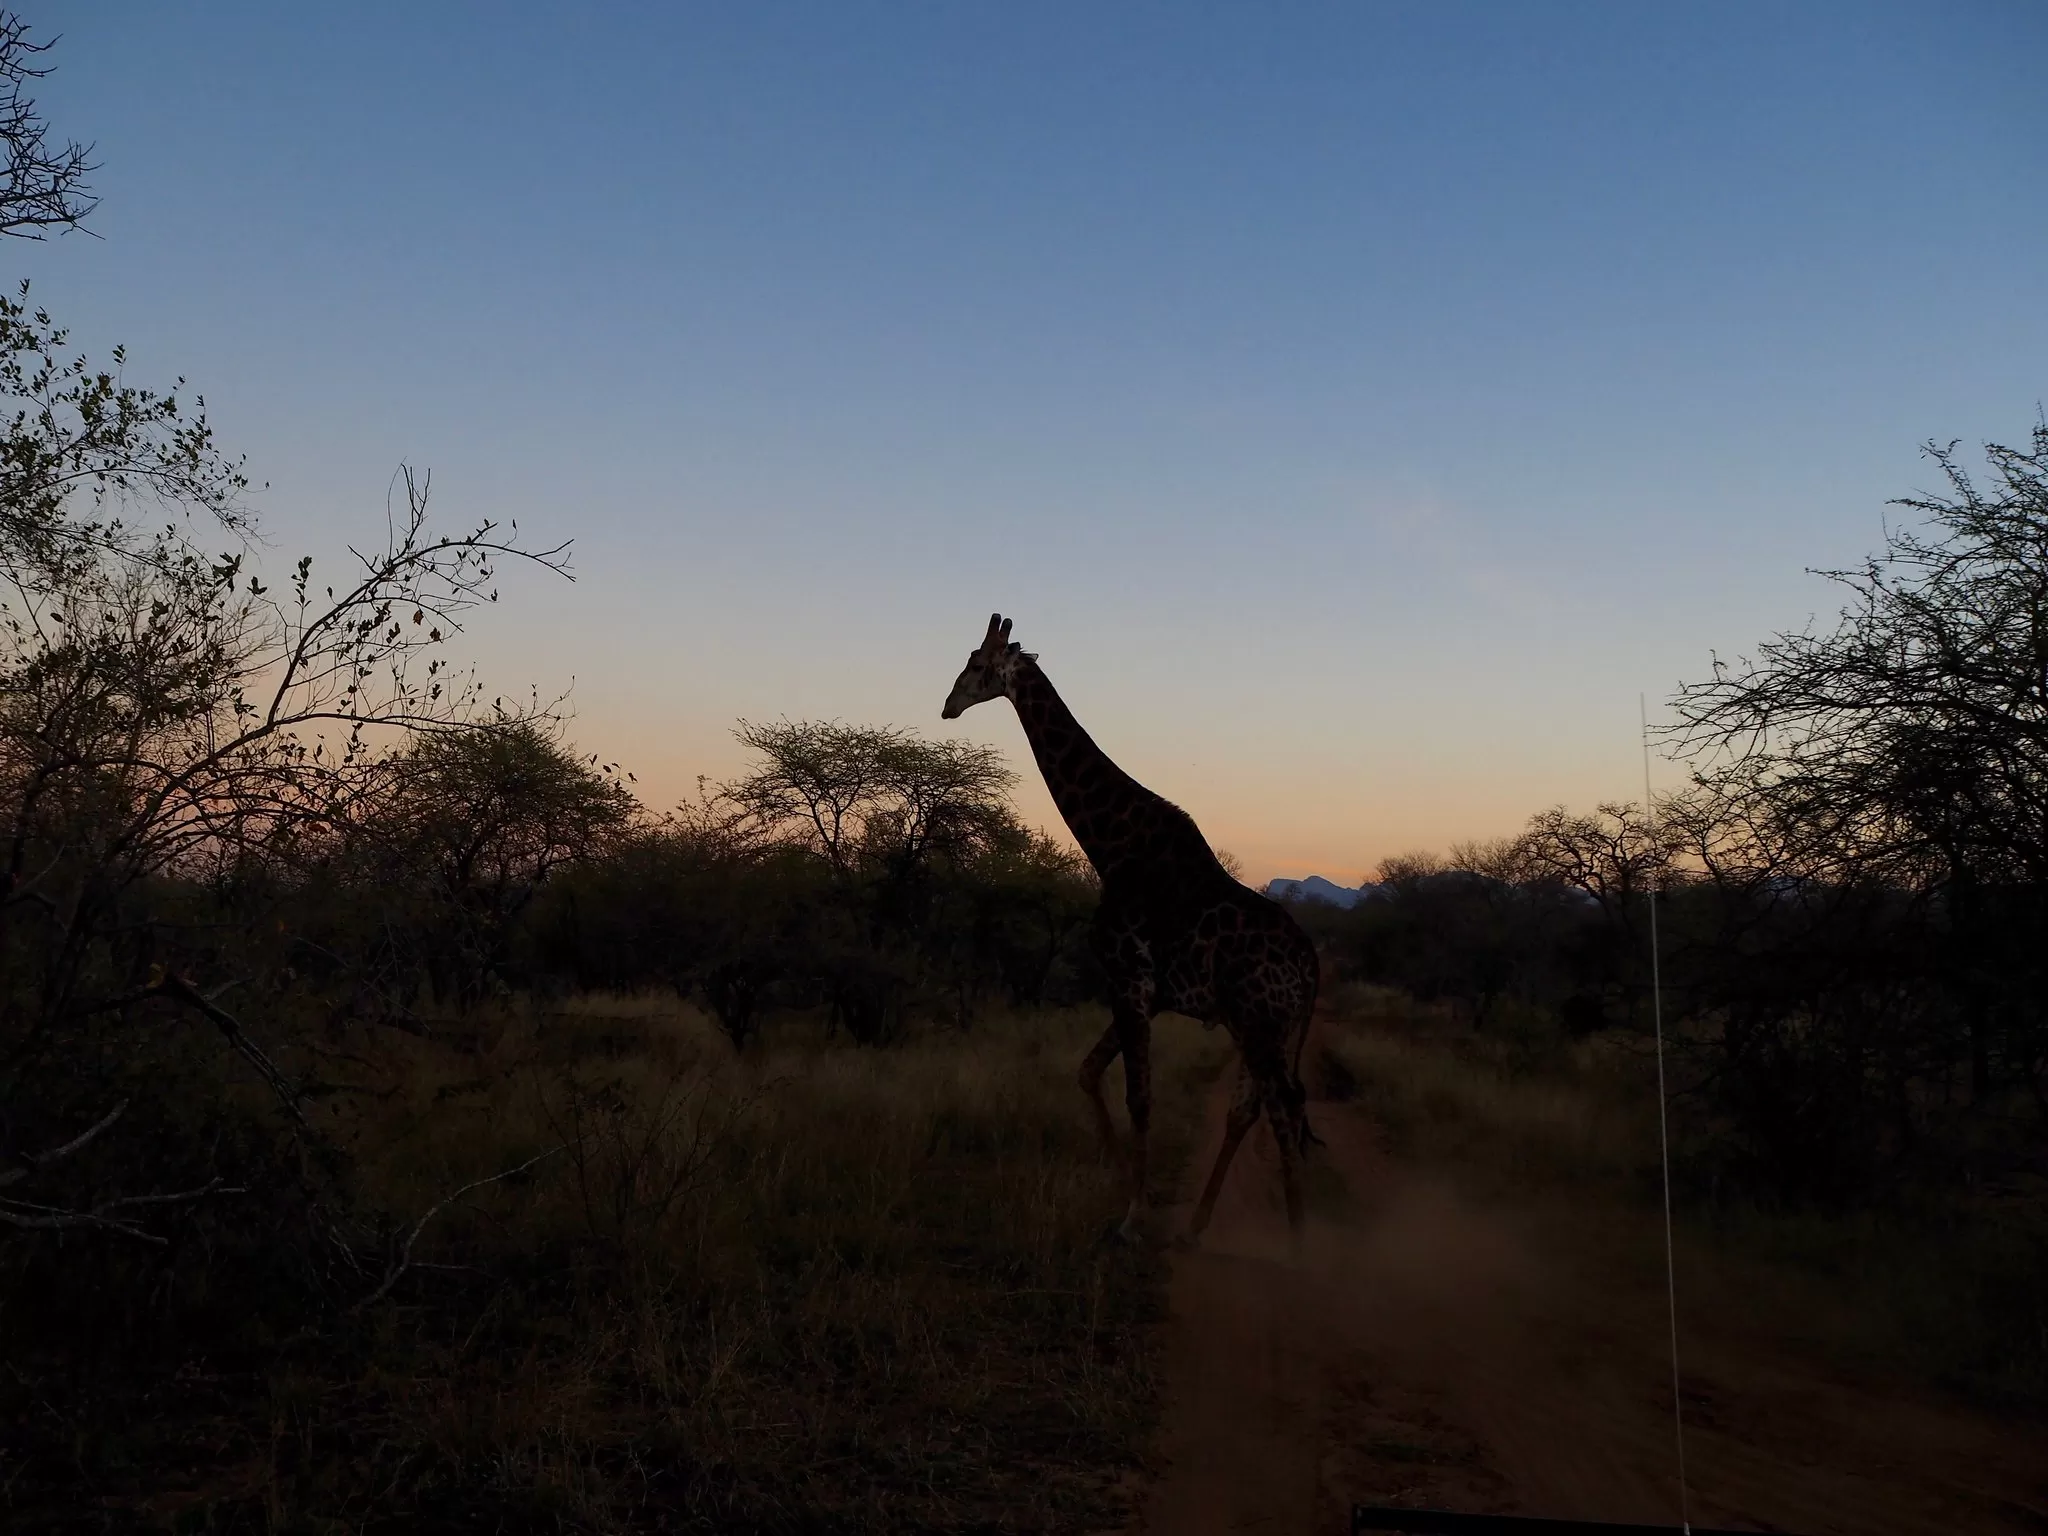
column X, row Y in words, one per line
column 406, row 1128
column 1852, row 935
column 403, row 1126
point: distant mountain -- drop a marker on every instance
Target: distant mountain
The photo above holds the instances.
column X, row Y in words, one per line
column 1316, row 888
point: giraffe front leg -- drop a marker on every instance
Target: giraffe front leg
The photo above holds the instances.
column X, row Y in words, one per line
column 1127, row 963
column 1136, row 1033
column 1093, row 1068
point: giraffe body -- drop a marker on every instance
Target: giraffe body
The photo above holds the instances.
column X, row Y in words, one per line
column 1174, row 933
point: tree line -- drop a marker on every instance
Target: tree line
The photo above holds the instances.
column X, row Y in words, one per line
column 1853, row 881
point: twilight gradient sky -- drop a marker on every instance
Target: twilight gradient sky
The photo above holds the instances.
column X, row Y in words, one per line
column 1356, row 405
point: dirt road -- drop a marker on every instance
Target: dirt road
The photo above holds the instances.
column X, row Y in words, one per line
column 1432, row 1351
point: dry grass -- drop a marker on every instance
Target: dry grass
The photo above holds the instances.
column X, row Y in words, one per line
column 1943, row 1289
column 818, row 1288
column 1515, row 1107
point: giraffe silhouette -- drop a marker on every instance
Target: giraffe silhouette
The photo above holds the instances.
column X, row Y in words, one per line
column 1174, row 932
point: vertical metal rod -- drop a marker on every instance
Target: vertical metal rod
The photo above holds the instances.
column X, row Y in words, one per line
column 1663, row 1126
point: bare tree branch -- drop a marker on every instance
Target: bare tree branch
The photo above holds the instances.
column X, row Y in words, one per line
column 37, row 1162
column 41, row 188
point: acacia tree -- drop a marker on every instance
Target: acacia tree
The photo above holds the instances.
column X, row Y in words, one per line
column 1914, row 733
column 1907, row 747
column 881, row 809
column 474, row 822
column 874, row 797
column 1614, row 855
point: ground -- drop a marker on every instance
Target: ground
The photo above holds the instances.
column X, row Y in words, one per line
column 1433, row 1348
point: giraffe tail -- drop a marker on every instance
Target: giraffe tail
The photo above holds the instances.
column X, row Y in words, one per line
column 1307, row 1139
column 1310, row 1141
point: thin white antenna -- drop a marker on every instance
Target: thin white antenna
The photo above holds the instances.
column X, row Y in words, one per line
column 1663, row 1127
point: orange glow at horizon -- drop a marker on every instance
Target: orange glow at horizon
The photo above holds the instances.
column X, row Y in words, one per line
column 1339, row 831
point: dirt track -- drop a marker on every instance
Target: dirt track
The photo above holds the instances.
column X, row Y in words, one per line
column 1433, row 1352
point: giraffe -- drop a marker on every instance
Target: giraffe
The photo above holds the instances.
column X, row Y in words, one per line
column 1174, row 932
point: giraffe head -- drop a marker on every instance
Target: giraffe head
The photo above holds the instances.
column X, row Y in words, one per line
column 988, row 671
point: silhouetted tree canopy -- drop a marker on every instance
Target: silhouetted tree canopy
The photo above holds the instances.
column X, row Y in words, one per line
column 874, row 792
column 41, row 187
column 1913, row 735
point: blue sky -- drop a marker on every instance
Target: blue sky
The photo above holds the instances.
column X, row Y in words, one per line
column 1356, row 405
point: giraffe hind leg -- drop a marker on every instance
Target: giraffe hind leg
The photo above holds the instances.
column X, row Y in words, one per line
column 1280, row 1094
column 1287, row 1108
column 1244, row 1113
column 1291, row 1131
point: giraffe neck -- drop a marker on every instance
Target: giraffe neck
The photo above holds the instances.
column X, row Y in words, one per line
column 1104, row 806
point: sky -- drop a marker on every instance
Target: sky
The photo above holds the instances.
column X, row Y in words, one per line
column 1356, row 406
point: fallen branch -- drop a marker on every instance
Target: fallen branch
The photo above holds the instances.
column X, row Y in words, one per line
column 167, row 983
column 50, row 1218
column 402, row 1260
column 178, row 988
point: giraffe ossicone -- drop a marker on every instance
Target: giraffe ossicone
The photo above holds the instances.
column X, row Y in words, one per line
column 1174, row 932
